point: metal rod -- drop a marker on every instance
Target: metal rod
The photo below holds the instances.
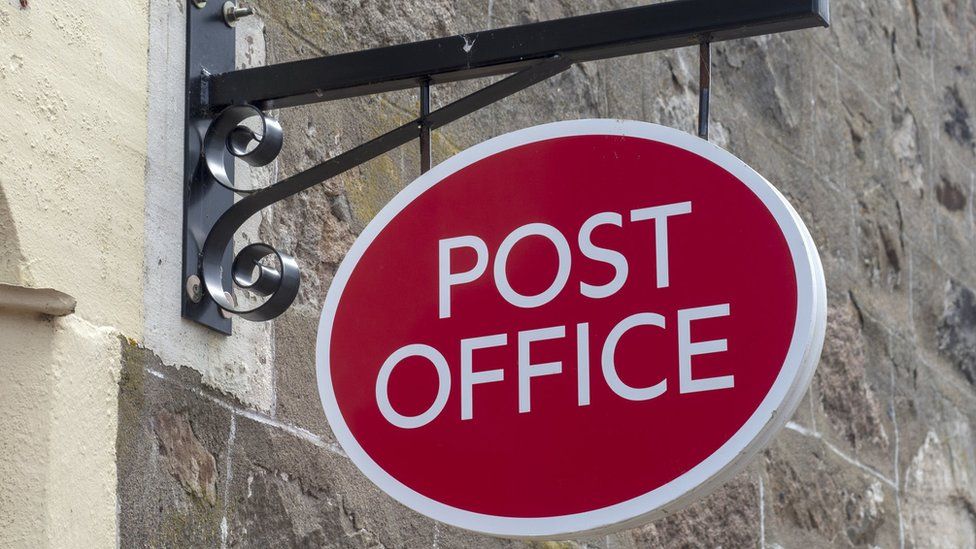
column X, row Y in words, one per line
column 704, row 85
column 603, row 35
column 424, row 127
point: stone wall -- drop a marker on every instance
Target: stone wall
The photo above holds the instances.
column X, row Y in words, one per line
column 865, row 127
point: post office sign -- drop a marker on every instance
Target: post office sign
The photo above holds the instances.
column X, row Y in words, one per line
column 570, row 329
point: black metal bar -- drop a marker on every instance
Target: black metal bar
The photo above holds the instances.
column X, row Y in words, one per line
column 222, row 235
column 704, row 86
column 424, row 127
column 209, row 49
column 499, row 90
column 492, row 52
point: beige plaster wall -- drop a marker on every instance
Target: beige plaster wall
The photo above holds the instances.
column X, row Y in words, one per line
column 72, row 181
column 72, row 150
column 57, row 459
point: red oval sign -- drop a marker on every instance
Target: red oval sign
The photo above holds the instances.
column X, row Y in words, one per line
column 570, row 328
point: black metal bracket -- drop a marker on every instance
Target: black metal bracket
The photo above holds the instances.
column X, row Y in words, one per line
column 218, row 106
column 209, row 50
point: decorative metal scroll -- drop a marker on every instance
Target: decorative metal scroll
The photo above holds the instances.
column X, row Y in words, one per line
column 230, row 138
column 529, row 54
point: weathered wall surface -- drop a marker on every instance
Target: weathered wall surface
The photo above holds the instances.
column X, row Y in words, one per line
column 72, row 157
column 240, row 364
column 866, row 127
column 57, row 461
column 73, row 153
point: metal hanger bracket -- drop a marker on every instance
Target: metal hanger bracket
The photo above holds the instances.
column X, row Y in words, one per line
column 220, row 99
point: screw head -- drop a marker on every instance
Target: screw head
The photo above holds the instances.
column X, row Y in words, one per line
column 233, row 13
column 199, row 4
column 194, row 288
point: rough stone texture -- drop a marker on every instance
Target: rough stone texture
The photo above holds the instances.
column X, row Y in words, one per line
column 852, row 407
column 156, row 507
column 735, row 506
column 814, row 497
column 186, row 459
column 866, row 127
column 957, row 330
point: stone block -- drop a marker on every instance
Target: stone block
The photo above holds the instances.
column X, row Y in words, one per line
column 172, row 440
column 729, row 517
column 814, row 497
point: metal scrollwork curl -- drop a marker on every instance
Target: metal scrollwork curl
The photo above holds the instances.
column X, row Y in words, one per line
column 226, row 139
column 281, row 283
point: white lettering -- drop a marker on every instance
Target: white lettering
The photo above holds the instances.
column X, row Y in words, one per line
column 583, row 364
column 610, row 366
column 611, row 257
column 470, row 378
column 527, row 370
column 660, row 215
column 562, row 274
column 446, row 279
column 687, row 349
column 383, row 383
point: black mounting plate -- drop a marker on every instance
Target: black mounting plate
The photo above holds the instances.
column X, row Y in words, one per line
column 210, row 48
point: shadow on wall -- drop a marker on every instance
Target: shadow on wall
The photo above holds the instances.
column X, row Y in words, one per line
column 11, row 259
column 26, row 347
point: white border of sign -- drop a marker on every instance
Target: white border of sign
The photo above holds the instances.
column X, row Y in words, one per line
column 771, row 415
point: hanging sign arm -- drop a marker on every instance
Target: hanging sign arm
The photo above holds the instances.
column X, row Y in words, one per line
column 281, row 283
column 219, row 101
column 590, row 37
